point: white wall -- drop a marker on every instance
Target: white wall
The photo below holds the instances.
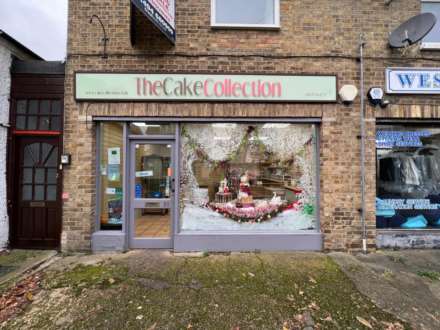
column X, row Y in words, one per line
column 5, row 84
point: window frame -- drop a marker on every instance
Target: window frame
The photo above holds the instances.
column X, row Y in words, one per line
column 274, row 26
column 99, row 130
column 315, row 127
column 406, row 127
column 429, row 45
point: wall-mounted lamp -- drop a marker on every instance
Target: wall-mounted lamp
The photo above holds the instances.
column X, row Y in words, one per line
column 348, row 94
column 104, row 38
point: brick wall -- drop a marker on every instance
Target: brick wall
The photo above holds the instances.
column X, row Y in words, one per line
column 316, row 37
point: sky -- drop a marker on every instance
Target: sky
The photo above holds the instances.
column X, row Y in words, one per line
column 40, row 25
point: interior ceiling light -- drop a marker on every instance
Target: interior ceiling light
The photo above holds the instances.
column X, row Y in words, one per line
column 224, row 125
column 144, row 125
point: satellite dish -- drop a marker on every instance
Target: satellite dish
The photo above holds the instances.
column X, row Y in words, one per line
column 412, row 31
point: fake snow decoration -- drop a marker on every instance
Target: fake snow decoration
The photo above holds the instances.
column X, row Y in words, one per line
column 217, row 146
column 195, row 218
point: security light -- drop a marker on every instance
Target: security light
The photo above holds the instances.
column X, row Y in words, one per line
column 376, row 97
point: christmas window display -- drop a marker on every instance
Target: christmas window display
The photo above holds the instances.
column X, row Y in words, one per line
column 248, row 177
column 408, row 177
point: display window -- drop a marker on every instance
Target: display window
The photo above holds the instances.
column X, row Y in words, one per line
column 111, row 141
column 408, row 177
column 248, row 177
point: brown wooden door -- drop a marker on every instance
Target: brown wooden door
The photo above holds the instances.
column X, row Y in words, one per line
column 37, row 204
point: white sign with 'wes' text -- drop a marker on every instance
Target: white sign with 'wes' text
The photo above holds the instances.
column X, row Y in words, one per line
column 413, row 80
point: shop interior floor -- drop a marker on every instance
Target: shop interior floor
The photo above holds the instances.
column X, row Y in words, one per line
column 153, row 225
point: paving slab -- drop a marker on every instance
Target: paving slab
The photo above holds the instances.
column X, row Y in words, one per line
column 158, row 290
column 405, row 283
column 14, row 263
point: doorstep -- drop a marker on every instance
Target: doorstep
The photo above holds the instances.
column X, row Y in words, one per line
column 108, row 241
column 15, row 263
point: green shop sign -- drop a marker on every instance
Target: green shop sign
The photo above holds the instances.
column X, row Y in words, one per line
column 204, row 87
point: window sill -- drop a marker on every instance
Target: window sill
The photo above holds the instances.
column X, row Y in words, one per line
column 274, row 27
column 421, row 231
column 430, row 46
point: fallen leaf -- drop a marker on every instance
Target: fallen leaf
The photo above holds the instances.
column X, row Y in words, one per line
column 251, row 274
column 314, row 306
column 364, row 322
column 139, row 317
column 111, row 281
column 312, row 280
column 299, row 317
column 29, row 296
column 301, row 293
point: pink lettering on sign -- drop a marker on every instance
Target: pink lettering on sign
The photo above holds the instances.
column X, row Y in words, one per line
column 208, row 88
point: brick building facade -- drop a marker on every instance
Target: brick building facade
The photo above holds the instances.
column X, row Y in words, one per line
column 314, row 38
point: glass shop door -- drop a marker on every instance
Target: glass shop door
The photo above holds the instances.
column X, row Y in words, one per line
column 152, row 185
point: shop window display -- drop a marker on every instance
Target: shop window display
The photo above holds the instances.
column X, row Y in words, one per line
column 408, row 177
column 257, row 177
column 111, row 175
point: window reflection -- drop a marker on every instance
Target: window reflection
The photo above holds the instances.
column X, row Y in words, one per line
column 259, row 177
column 408, row 177
column 111, row 175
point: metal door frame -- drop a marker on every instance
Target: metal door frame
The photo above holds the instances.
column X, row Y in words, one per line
column 150, row 242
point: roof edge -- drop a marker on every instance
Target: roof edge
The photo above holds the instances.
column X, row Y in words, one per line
column 37, row 67
column 19, row 45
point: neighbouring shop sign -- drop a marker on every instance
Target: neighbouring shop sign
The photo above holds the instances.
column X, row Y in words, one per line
column 204, row 87
column 161, row 13
column 413, row 80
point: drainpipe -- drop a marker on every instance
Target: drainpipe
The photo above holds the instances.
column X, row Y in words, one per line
column 362, row 92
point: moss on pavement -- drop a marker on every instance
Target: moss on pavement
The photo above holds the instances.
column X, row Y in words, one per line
column 240, row 291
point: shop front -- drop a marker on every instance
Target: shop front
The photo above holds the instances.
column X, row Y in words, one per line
column 206, row 184
column 408, row 166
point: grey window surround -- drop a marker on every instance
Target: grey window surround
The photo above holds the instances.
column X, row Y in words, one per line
column 208, row 241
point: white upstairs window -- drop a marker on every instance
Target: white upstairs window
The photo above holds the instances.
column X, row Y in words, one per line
column 245, row 13
column 432, row 39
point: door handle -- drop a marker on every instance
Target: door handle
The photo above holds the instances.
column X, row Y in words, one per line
column 173, row 184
